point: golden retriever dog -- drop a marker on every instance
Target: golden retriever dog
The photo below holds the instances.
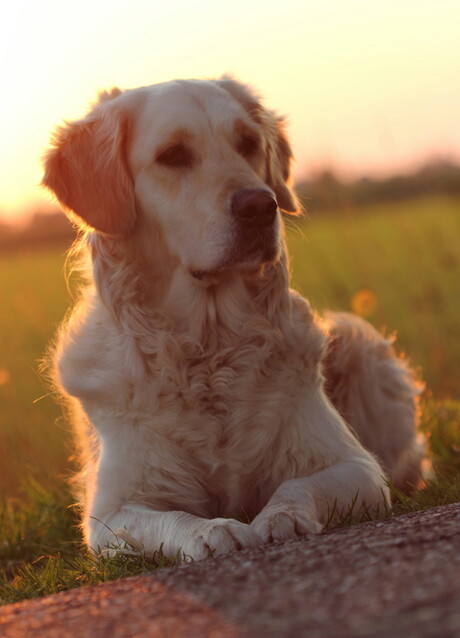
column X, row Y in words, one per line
column 202, row 387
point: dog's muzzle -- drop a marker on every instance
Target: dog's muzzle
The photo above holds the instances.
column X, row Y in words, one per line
column 255, row 239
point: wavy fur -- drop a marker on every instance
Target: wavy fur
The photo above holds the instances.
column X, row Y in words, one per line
column 195, row 373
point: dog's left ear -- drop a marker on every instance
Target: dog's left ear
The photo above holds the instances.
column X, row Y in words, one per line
column 279, row 156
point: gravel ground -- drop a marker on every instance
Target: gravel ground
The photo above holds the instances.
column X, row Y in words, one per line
column 399, row 577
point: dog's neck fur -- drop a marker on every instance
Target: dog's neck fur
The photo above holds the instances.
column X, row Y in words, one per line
column 217, row 314
column 154, row 292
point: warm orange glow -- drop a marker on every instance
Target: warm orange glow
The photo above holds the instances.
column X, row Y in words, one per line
column 368, row 86
column 4, row 376
column 364, row 302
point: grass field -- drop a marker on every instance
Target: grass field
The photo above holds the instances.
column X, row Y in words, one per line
column 34, row 300
column 399, row 267
column 408, row 257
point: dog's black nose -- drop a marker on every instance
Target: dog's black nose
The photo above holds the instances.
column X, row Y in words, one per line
column 254, row 207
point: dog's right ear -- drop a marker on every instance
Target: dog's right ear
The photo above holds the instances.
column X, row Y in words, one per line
column 86, row 169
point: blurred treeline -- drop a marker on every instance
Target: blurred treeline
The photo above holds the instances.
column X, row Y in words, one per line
column 326, row 191
column 323, row 192
column 45, row 227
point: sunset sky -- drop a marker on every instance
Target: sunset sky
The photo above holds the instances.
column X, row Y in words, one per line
column 369, row 86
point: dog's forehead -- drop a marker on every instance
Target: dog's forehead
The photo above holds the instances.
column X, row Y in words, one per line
column 195, row 105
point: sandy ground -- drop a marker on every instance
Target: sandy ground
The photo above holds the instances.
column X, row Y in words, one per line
column 399, row 577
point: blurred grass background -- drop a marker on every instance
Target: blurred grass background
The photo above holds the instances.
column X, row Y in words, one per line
column 34, row 301
column 398, row 265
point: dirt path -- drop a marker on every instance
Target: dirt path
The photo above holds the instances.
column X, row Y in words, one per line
column 394, row 578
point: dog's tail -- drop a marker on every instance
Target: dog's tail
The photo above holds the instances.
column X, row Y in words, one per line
column 377, row 393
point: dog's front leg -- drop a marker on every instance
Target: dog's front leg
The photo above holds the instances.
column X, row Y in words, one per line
column 303, row 505
column 179, row 534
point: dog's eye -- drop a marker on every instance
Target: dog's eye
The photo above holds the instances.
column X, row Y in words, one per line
column 248, row 145
column 177, row 156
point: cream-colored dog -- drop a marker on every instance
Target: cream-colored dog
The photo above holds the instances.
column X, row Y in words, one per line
column 196, row 374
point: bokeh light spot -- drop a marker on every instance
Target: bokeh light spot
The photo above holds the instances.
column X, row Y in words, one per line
column 364, row 302
column 4, row 376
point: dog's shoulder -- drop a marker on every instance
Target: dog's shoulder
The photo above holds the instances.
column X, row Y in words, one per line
column 92, row 356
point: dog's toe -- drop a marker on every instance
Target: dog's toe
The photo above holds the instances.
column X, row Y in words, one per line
column 283, row 522
column 220, row 536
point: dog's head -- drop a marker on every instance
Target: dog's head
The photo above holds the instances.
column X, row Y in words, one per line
column 202, row 161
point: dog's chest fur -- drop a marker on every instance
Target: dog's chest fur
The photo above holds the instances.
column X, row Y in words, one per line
column 194, row 427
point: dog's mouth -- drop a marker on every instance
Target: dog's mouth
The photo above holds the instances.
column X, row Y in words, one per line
column 249, row 252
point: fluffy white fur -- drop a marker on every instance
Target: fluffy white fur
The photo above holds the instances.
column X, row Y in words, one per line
column 194, row 373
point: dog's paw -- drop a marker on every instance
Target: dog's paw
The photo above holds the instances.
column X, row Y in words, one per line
column 284, row 521
column 219, row 536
